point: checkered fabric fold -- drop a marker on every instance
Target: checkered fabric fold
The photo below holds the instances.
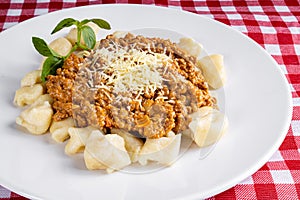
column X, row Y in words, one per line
column 272, row 24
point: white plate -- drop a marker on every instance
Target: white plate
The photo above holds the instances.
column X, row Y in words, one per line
column 258, row 105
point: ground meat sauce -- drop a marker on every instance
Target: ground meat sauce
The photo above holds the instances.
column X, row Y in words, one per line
column 82, row 89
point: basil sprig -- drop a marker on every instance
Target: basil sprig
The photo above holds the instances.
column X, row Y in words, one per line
column 54, row 60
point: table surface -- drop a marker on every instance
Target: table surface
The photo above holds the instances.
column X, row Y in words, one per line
column 272, row 24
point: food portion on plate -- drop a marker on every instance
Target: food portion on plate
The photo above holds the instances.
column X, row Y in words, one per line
column 124, row 99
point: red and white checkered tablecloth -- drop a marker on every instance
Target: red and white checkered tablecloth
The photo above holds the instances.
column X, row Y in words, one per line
column 271, row 23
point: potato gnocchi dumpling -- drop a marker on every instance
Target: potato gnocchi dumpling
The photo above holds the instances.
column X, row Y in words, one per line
column 120, row 34
column 213, row 70
column 78, row 138
column 61, row 45
column 59, row 130
column 31, row 78
column 207, row 126
column 28, row 94
column 43, row 98
column 191, row 46
column 105, row 152
column 37, row 117
column 163, row 150
column 133, row 144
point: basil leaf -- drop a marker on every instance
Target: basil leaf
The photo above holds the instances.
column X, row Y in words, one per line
column 83, row 22
column 101, row 23
column 63, row 24
column 89, row 36
column 50, row 66
column 41, row 46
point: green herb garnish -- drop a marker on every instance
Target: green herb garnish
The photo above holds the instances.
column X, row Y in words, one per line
column 54, row 60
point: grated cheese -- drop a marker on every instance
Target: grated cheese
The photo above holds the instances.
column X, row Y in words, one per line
column 131, row 70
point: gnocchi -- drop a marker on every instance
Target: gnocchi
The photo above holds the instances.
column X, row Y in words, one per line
column 207, row 126
column 28, row 94
column 120, row 34
column 163, row 150
column 213, row 70
column 59, row 130
column 78, row 138
column 31, row 78
column 133, row 144
column 191, row 46
column 106, row 152
column 37, row 118
column 61, row 45
column 43, row 98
